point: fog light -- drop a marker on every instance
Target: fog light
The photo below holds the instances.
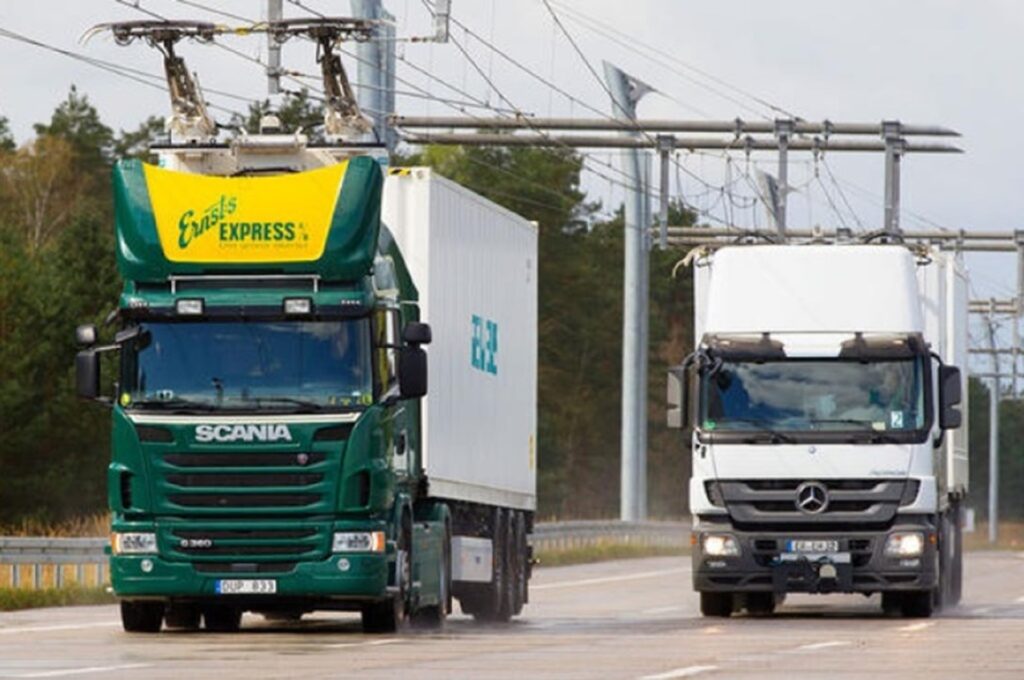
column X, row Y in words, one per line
column 721, row 545
column 905, row 544
column 359, row 541
column 343, row 564
column 189, row 307
column 146, row 566
column 296, row 306
column 135, row 543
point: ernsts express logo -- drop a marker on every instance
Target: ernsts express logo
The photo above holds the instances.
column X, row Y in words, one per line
column 215, row 218
column 243, row 433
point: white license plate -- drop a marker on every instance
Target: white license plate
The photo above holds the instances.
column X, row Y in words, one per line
column 812, row 546
column 246, row 587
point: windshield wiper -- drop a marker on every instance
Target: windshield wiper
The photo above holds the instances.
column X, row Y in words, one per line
column 875, row 436
column 173, row 404
column 774, row 436
column 299, row 404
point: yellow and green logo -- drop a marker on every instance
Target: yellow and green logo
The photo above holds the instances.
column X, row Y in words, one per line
column 282, row 218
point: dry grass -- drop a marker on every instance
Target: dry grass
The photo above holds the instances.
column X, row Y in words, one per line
column 1011, row 537
column 600, row 553
column 21, row 598
column 88, row 527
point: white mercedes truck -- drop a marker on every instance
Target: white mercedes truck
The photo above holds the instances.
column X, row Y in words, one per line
column 829, row 451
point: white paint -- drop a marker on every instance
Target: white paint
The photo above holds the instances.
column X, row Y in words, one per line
column 83, row 670
column 914, row 627
column 661, row 610
column 609, row 579
column 822, row 645
column 687, row 672
column 368, row 643
column 65, row 626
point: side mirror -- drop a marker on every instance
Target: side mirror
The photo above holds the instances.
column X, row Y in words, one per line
column 412, row 371
column 416, row 333
column 85, row 335
column 87, row 374
column 950, row 395
column 678, row 401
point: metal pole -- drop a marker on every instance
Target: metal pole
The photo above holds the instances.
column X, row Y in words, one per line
column 632, row 506
column 894, row 149
column 274, row 13
column 993, row 442
column 665, row 146
column 370, row 70
column 783, row 131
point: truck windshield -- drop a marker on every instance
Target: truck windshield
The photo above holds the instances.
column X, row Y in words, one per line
column 282, row 365
column 803, row 395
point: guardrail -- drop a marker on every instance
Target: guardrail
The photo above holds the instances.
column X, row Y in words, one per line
column 34, row 562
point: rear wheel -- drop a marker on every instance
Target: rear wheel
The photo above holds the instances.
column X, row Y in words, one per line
column 760, row 604
column 494, row 602
column 918, row 604
column 142, row 617
column 520, row 556
column 182, row 616
column 221, row 618
column 956, row 570
column 716, row 604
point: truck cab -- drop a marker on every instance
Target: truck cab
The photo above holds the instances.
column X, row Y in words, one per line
column 828, row 451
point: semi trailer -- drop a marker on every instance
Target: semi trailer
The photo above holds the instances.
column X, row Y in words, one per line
column 829, row 454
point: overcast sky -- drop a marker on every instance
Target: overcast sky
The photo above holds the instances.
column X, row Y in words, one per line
column 947, row 62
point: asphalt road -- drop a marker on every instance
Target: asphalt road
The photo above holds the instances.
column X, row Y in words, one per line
column 628, row 619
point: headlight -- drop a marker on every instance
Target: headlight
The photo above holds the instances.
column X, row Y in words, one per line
column 133, row 544
column 905, row 544
column 721, row 545
column 359, row 541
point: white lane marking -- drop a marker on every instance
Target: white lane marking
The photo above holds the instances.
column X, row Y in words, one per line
column 83, row 670
column 914, row 627
column 368, row 643
column 609, row 579
column 63, row 626
column 687, row 672
column 661, row 610
column 982, row 610
column 822, row 645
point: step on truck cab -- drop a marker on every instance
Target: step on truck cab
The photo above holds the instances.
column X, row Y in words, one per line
column 829, row 454
column 274, row 447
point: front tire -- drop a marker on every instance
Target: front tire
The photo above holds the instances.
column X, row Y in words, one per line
column 182, row 616
column 716, row 605
column 142, row 617
column 918, row 604
column 760, row 604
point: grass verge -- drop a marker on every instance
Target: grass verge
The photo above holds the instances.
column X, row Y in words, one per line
column 22, row 598
column 600, row 553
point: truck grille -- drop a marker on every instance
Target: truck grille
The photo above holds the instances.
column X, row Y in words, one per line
column 851, row 502
column 246, row 483
column 241, row 547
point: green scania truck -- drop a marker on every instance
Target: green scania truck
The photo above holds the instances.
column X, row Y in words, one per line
column 274, row 449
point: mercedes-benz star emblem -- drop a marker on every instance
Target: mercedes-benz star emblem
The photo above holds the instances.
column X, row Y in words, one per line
column 811, row 498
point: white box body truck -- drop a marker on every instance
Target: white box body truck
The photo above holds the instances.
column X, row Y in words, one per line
column 828, row 451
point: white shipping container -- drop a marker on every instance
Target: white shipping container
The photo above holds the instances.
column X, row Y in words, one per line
column 475, row 265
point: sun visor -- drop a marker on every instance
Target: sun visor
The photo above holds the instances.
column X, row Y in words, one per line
column 324, row 221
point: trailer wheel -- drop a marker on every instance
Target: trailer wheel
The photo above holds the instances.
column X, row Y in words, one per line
column 142, row 617
column 221, row 618
column 716, row 604
column 495, row 605
column 182, row 616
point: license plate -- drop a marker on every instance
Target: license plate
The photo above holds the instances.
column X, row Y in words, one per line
column 246, row 587
column 812, row 546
